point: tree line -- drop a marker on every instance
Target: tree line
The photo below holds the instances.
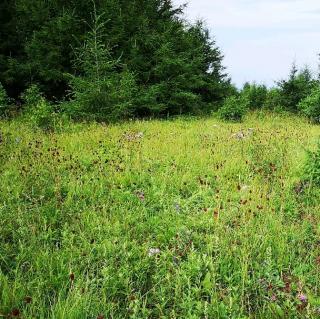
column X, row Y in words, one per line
column 119, row 59
column 112, row 58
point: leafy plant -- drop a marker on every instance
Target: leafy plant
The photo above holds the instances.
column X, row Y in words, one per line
column 273, row 99
column 32, row 95
column 310, row 106
column 4, row 101
column 255, row 94
column 38, row 111
column 234, row 108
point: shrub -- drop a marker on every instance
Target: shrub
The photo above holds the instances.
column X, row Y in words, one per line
column 310, row 106
column 38, row 111
column 296, row 88
column 273, row 99
column 4, row 101
column 312, row 168
column 255, row 94
column 42, row 115
column 233, row 109
column 31, row 96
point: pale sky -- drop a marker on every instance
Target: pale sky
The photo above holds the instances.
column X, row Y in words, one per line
column 261, row 38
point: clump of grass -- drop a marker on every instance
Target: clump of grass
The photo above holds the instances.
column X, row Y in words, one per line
column 158, row 219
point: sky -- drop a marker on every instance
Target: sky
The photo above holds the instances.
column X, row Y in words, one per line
column 260, row 39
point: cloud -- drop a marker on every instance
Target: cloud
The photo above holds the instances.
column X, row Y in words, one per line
column 261, row 38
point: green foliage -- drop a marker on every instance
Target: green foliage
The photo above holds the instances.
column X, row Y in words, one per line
column 100, row 90
column 4, row 101
column 175, row 66
column 273, row 99
column 297, row 87
column 234, row 108
column 312, row 168
column 255, row 94
column 310, row 106
column 37, row 110
column 42, row 115
column 32, row 95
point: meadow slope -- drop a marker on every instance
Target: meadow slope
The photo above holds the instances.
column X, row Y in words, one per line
column 189, row 218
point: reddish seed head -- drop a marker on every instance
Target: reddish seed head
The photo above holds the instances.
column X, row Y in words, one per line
column 15, row 312
column 101, row 317
column 72, row 276
column 215, row 214
column 27, row 299
column 287, row 288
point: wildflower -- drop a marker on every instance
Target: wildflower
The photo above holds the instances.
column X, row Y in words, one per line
column 303, row 298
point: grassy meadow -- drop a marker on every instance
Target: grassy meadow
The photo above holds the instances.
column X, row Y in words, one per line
column 187, row 218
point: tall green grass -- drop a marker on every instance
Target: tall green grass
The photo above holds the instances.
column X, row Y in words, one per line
column 163, row 219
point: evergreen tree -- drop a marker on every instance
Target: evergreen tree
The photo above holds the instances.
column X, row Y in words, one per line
column 176, row 66
column 298, row 86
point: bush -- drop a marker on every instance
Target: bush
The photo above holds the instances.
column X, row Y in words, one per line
column 255, row 94
column 31, row 96
column 310, row 106
column 273, row 99
column 4, row 101
column 38, row 111
column 296, row 88
column 233, row 109
column 312, row 168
